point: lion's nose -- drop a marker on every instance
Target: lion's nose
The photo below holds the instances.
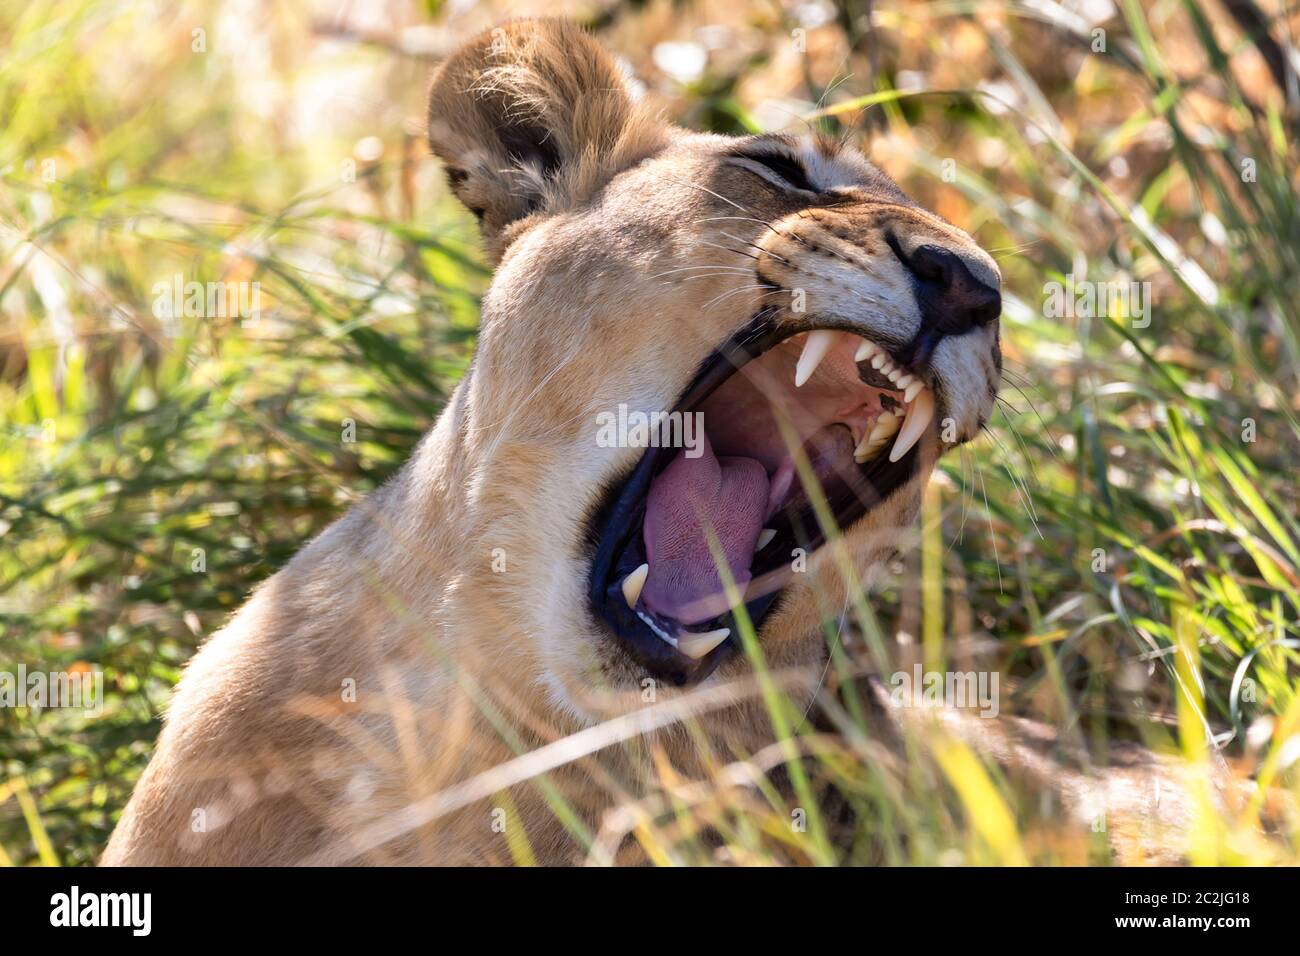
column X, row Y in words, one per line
column 953, row 300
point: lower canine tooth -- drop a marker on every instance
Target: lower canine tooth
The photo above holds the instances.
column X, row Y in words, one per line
column 814, row 350
column 633, row 583
column 871, row 444
column 697, row 645
column 764, row 538
column 918, row 418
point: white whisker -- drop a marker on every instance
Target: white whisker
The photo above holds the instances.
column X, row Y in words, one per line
column 740, row 269
column 726, row 295
column 988, row 516
column 709, row 191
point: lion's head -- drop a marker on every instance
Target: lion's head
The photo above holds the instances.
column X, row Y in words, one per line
column 820, row 322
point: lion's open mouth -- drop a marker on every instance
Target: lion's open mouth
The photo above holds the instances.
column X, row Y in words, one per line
column 790, row 424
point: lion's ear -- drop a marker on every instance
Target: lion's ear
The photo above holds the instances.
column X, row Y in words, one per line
column 533, row 115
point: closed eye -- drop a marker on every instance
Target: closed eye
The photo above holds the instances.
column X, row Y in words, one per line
column 787, row 168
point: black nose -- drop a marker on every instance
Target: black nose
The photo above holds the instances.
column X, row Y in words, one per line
column 952, row 300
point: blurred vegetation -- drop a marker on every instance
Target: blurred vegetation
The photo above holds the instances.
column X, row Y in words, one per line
column 1121, row 532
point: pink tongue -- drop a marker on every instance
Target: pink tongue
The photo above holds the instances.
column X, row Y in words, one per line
column 690, row 497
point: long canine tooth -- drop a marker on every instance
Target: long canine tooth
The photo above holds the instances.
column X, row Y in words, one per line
column 871, row 444
column 633, row 583
column 814, row 350
column 764, row 538
column 912, row 390
column 918, row 418
column 865, row 351
column 697, row 645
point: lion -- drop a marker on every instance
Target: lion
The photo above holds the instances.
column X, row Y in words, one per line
column 408, row 680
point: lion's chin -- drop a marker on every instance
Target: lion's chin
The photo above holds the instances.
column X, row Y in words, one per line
column 784, row 440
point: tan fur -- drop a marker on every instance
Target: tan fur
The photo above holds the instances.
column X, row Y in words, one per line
column 265, row 757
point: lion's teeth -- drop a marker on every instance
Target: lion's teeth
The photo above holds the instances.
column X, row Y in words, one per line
column 814, row 350
column 697, row 645
column 886, row 424
column 912, row 389
column 765, row 538
column 904, row 380
column 868, row 451
column 865, row 351
column 633, row 583
column 918, row 418
column 656, row 629
column 871, row 444
column 880, row 359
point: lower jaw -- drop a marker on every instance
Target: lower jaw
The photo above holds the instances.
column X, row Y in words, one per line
column 618, row 554
column 763, row 595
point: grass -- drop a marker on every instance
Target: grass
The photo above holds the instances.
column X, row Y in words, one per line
column 1122, row 547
